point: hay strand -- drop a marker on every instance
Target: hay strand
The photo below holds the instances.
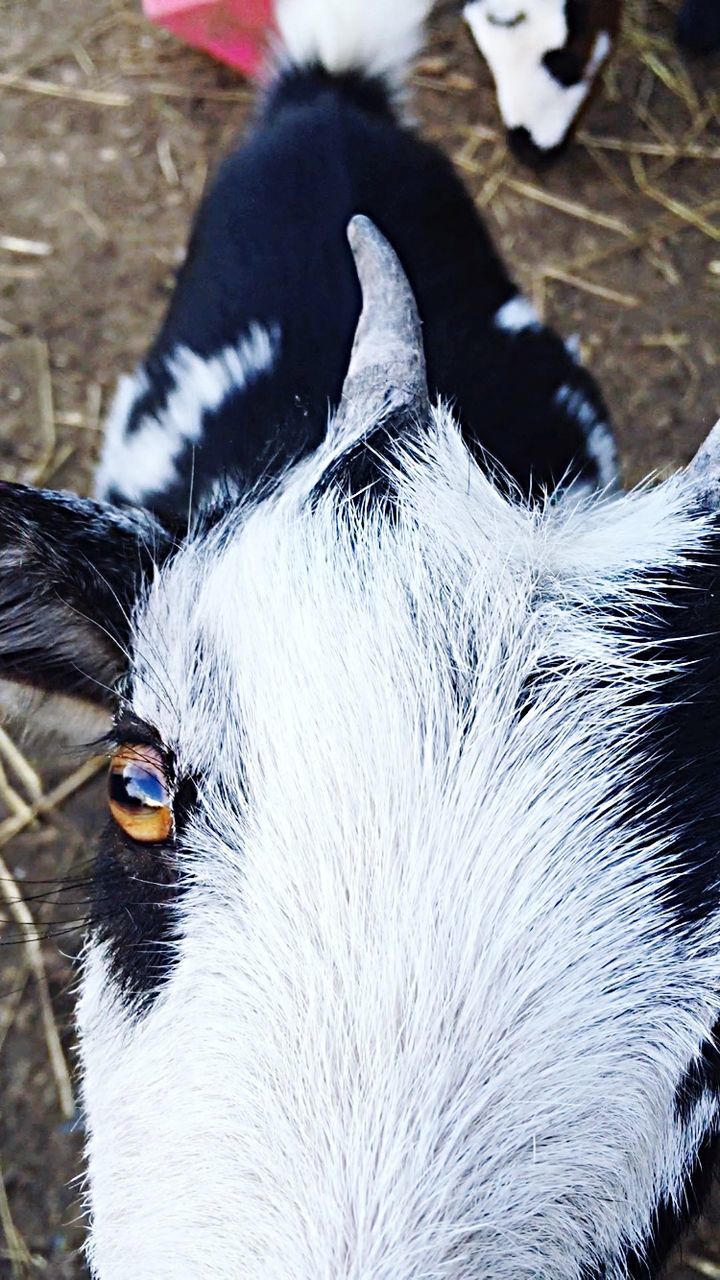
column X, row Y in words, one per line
column 70, row 93
column 627, row 300
column 17, row 1251
column 45, row 409
column 676, row 207
column 703, row 1266
column 27, row 928
column 12, row 827
column 20, row 913
column 571, row 207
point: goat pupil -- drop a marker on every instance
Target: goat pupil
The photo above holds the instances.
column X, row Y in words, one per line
column 137, row 788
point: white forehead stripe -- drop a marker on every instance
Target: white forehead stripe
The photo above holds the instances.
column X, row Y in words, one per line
column 145, row 460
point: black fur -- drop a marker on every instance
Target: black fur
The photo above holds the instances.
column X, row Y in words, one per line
column 680, row 786
column 698, row 26
column 135, row 887
column 565, row 66
column 684, row 745
column 269, row 246
column 676, row 797
column 363, row 474
column 70, row 571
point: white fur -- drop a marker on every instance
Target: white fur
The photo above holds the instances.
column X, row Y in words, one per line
column 598, row 436
column 600, row 444
column 573, row 346
column 427, row 1019
column 354, row 35
column 528, row 96
column 517, row 315
column 144, row 461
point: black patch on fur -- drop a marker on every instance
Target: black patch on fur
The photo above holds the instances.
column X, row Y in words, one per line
column 698, row 26
column 70, row 571
column 677, row 795
column 295, row 88
column 136, row 888
column 565, row 66
column 363, row 474
column 683, row 747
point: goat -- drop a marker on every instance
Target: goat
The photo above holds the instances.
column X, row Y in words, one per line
column 546, row 55
column 403, row 960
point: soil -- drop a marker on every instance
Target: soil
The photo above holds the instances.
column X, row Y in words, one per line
column 618, row 244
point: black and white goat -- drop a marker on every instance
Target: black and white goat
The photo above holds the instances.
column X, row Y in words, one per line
column 405, row 957
column 546, row 55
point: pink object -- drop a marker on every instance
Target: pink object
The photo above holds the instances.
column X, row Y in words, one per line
column 235, row 31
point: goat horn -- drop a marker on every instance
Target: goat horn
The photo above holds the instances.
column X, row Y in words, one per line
column 387, row 362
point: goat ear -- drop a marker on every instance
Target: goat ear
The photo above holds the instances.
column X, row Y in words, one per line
column 70, row 572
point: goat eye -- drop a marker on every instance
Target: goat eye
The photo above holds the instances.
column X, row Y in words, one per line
column 515, row 21
column 139, row 794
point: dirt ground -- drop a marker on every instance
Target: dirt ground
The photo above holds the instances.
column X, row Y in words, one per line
column 107, row 132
